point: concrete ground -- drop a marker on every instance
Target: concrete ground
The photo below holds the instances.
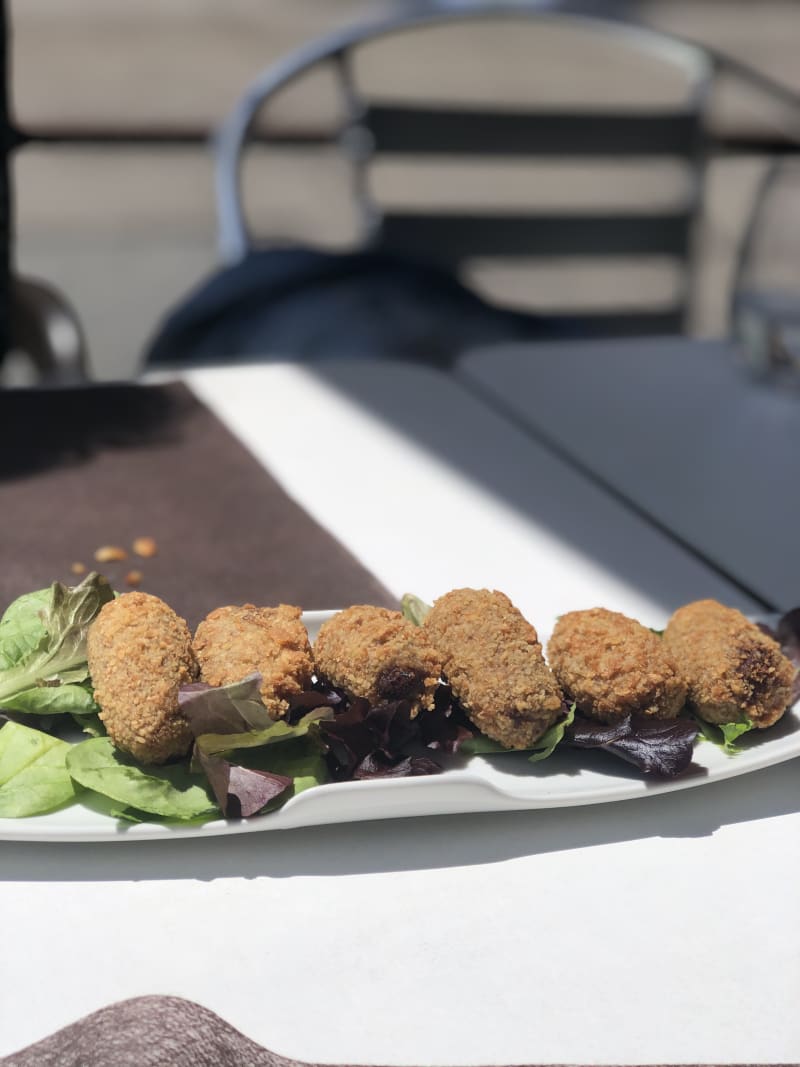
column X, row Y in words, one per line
column 126, row 232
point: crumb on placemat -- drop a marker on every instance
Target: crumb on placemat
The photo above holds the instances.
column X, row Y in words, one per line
column 110, row 554
column 145, row 547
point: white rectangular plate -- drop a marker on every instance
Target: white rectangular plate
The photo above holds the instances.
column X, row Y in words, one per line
column 499, row 783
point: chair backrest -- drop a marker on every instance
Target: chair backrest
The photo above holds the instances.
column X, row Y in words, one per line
column 378, row 129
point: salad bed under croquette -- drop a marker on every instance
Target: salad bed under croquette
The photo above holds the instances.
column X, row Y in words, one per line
column 245, row 714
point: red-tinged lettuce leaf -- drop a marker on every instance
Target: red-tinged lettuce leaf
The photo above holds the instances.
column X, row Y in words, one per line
column 224, row 709
column 374, row 766
column 788, row 634
column 788, row 637
column 364, row 741
column 309, row 699
column 354, row 734
column 301, row 760
column 661, row 747
column 241, row 791
column 232, row 716
column 445, row 727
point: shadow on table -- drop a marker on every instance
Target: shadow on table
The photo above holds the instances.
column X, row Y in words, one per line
column 46, row 428
column 412, row 844
column 490, row 449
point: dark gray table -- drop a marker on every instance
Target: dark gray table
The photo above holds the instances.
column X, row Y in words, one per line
column 679, row 431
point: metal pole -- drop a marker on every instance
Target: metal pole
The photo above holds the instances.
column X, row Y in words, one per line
column 7, row 141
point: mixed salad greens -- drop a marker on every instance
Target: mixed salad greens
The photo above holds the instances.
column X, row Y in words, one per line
column 54, row 751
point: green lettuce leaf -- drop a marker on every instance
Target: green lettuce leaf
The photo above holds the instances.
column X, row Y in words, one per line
column 60, row 653
column 724, row 735
column 90, row 724
column 414, row 609
column 280, row 731
column 22, row 628
column 33, row 773
column 480, row 745
column 134, row 815
column 171, row 791
column 52, row 700
column 732, row 732
column 550, row 738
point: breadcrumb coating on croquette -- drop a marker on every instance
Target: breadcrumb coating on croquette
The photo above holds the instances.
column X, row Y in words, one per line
column 377, row 654
column 732, row 670
column 140, row 653
column 492, row 658
column 232, row 642
column 612, row 666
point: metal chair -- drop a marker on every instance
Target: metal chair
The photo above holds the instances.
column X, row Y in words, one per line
column 765, row 294
column 375, row 129
column 396, row 291
column 47, row 331
column 35, row 319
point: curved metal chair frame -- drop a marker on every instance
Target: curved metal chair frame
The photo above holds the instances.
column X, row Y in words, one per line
column 47, row 330
column 366, row 132
column 371, row 130
column 234, row 239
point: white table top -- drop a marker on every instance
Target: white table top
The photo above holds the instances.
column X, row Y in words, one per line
column 431, row 491
column 680, row 428
column 652, row 931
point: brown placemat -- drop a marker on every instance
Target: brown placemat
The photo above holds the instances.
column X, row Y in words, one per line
column 159, row 1031
column 103, row 465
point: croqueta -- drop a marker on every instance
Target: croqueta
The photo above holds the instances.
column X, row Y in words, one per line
column 379, row 655
column 611, row 666
column 732, row 670
column 140, row 653
column 232, row 642
column 492, row 658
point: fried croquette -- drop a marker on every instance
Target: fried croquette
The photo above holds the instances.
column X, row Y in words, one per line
column 379, row 655
column 612, row 666
column 492, row 658
column 232, row 642
column 139, row 654
column 732, row 670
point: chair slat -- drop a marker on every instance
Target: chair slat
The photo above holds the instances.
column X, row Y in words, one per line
column 616, row 323
column 450, row 131
column 453, row 237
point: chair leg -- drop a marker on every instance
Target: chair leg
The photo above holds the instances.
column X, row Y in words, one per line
column 46, row 328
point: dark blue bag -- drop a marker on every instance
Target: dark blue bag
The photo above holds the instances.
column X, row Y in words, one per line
column 298, row 303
